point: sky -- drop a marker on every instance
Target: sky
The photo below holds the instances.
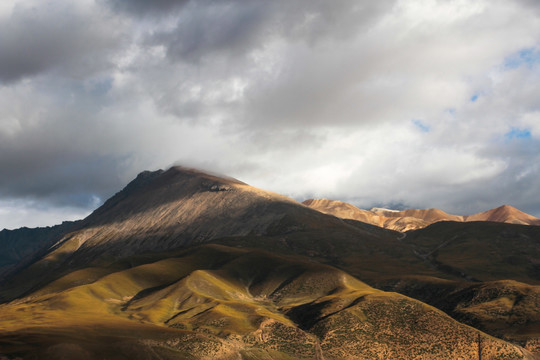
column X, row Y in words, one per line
column 394, row 103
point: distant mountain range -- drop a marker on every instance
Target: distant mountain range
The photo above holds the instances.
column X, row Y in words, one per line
column 412, row 219
column 183, row 264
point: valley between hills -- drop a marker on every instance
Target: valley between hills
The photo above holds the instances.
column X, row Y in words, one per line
column 183, row 264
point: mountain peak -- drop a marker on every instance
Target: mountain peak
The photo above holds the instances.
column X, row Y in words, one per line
column 162, row 210
column 152, row 188
column 505, row 213
column 508, row 208
column 193, row 172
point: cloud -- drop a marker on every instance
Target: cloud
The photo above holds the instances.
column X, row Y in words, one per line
column 38, row 37
column 421, row 103
column 208, row 29
column 294, row 65
column 143, row 7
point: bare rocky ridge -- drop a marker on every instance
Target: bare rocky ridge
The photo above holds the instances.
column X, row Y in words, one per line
column 412, row 219
column 170, row 209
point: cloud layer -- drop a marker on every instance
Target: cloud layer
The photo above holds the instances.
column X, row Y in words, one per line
column 419, row 103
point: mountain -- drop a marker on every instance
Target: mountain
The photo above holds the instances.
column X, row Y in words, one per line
column 505, row 213
column 177, row 208
column 412, row 219
column 191, row 265
column 21, row 246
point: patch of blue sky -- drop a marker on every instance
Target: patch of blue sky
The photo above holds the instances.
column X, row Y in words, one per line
column 474, row 97
column 421, row 126
column 528, row 57
column 102, row 87
column 83, row 199
column 517, row 133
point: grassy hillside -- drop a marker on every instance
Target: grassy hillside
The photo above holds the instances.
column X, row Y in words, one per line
column 217, row 302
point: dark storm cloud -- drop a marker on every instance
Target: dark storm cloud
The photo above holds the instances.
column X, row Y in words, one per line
column 54, row 37
column 234, row 28
column 79, row 180
column 51, row 161
column 532, row 4
column 282, row 50
column 220, row 28
column 146, row 7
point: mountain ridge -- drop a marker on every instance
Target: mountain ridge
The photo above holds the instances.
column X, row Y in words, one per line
column 412, row 219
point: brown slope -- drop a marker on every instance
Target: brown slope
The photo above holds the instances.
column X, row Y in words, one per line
column 412, row 219
column 405, row 223
column 345, row 210
column 505, row 213
column 428, row 215
column 389, row 219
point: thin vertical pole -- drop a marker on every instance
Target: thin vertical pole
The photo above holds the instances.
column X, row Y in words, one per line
column 479, row 347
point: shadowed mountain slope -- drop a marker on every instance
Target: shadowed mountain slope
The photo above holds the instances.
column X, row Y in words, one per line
column 21, row 246
column 484, row 251
column 412, row 219
column 499, row 287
